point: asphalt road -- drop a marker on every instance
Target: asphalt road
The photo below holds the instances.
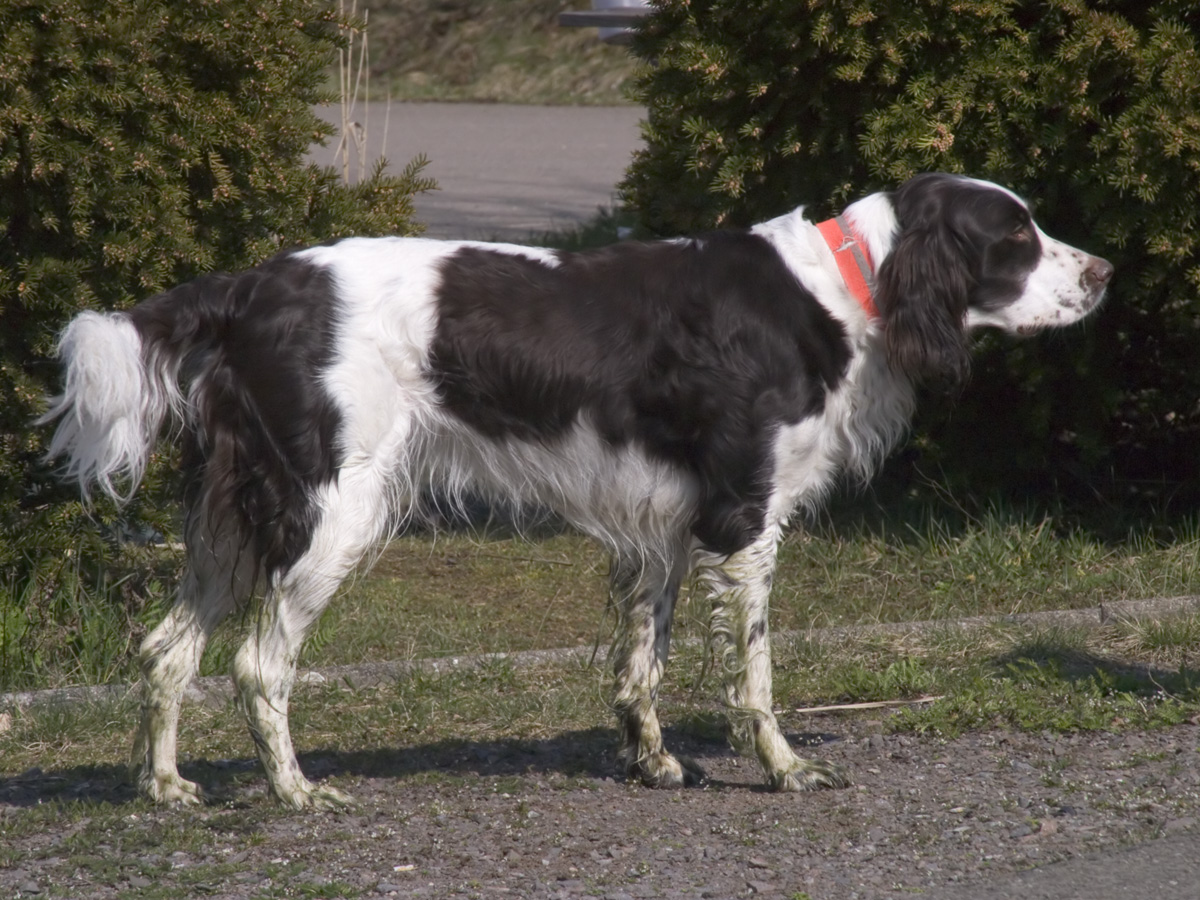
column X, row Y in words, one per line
column 1164, row 869
column 504, row 172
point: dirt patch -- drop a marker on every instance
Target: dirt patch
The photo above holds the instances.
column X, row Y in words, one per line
column 548, row 819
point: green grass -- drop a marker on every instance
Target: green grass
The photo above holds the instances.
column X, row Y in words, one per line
column 465, row 594
column 1003, row 676
column 439, row 729
column 63, row 621
column 462, row 593
column 921, row 567
column 1177, row 636
column 440, row 714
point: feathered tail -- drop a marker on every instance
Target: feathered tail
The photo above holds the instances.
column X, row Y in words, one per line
column 238, row 361
column 113, row 403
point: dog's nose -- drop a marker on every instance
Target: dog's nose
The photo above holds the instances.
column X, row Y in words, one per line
column 1097, row 273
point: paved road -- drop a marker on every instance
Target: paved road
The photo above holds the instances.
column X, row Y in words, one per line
column 504, row 172
column 1164, row 869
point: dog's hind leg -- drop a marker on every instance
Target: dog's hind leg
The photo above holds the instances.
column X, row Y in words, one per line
column 740, row 585
column 218, row 578
column 644, row 591
column 351, row 516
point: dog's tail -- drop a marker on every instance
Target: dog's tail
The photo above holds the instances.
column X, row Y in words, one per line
column 121, row 379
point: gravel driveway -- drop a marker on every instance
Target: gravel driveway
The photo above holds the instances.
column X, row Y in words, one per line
column 957, row 819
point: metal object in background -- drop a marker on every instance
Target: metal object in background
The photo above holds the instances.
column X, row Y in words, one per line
column 614, row 18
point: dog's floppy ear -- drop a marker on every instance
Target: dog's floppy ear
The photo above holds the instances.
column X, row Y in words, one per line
column 922, row 289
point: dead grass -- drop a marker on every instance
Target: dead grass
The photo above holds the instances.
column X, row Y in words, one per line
column 498, row 51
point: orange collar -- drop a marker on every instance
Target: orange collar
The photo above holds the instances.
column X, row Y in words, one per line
column 853, row 259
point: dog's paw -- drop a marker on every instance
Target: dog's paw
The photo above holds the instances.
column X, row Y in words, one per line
column 662, row 770
column 810, row 775
column 314, row 796
column 170, row 790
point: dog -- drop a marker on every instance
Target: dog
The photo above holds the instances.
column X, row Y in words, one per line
column 677, row 400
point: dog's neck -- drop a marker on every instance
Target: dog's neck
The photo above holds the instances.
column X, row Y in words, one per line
column 874, row 219
column 859, row 239
column 853, row 258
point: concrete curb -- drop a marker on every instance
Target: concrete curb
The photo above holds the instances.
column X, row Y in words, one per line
column 217, row 689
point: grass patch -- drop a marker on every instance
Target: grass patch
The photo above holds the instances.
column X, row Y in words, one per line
column 65, row 621
column 927, row 566
column 1002, row 676
column 495, row 727
column 495, row 51
column 1169, row 638
column 509, row 720
column 998, row 676
column 464, row 593
column 1038, row 695
column 403, row 727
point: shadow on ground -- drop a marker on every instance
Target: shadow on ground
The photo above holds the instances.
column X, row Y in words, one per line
column 588, row 754
column 1049, row 661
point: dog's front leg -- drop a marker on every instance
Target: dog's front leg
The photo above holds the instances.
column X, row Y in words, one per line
column 644, row 593
column 740, row 586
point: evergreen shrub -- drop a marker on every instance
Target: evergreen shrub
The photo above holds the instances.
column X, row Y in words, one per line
column 1091, row 110
column 143, row 142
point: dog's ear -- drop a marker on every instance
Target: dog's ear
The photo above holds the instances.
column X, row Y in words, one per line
column 921, row 292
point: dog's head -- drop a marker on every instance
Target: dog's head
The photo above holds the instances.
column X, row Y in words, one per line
column 967, row 254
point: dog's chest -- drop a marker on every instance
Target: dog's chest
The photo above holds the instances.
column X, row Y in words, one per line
column 860, row 424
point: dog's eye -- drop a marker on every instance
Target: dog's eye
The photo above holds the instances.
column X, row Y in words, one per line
column 1022, row 234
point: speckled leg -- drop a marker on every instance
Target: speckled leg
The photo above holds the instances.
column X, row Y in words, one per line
column 740, row 587
column 644, row 594
column 217, row 579
column 351, row 517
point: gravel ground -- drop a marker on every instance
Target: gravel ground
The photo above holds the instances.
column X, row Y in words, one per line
column 545, row 819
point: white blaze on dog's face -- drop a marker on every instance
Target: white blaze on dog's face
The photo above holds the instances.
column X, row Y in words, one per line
column 1064, row 286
